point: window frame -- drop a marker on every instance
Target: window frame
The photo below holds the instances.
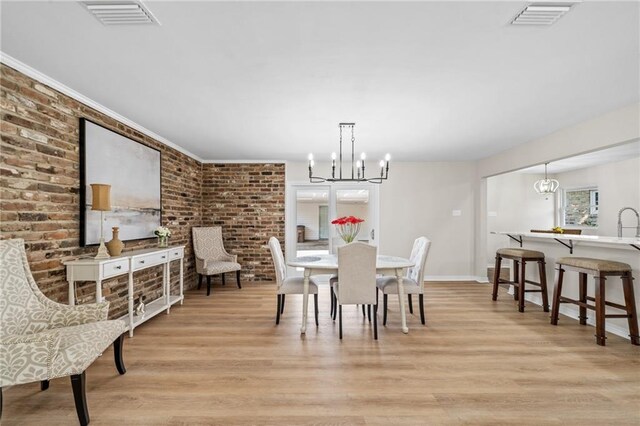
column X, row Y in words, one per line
column 562, row 198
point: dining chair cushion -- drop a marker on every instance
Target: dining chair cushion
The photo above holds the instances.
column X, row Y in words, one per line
column 295, row 285
column 389, row 285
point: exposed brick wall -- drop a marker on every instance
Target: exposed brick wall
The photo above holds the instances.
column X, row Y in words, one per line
column 39, row 202
column 247, row 200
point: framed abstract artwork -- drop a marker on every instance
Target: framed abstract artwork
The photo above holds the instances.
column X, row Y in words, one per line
column 133, row 171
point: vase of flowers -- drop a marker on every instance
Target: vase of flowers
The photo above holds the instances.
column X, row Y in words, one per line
column 348, row 227
column 163, row 233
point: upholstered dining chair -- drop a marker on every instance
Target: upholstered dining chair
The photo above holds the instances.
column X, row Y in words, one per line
column 356, row 283
column 289, row 285
column 413, row 280
column 211, row 257
column 42, row 340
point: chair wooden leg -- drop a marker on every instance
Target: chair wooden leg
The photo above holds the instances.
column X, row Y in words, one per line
column 0, row 403
column 44, row 385
column 278, row 311
column 80, row 397
column 630, row 302
column 600, row 311
column 208, row 285
column 364, row 313
column 369, row 312
column 315, row 307
column 496, row 277
column 582, row 288
column 223, row 283
column 543, row 285
column 282, row 300
column 516, row 272
column 199, row 281
column 335, row 306
column 421, row 301
column 375, row 321
column 117, row 354
column 557, row 292
column 521, row 287
column 238, row 279
column 340, row 319
column 384, row 308
column 410, row 304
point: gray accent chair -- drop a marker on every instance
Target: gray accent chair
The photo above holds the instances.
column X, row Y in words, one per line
column 211, row 257
column 42, row 340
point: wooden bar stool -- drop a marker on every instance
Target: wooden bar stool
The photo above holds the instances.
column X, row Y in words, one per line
column 600, row 269
column 520, row 258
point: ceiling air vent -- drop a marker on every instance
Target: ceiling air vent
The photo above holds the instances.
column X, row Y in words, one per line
column 541, row 14
column 125, row 12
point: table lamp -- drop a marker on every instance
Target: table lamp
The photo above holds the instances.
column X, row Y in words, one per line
column 101, row 201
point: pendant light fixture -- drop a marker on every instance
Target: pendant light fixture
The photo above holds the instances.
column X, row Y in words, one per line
column 357, row 167
column 546, row 186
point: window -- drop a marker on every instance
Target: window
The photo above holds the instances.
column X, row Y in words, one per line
column 580, row 207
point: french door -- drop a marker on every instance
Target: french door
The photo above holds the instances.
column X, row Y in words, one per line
column 310, row 208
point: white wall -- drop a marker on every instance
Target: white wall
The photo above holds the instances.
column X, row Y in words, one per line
column 418, row 200
column 513, row 205
column 619, row 186
column 308, row 214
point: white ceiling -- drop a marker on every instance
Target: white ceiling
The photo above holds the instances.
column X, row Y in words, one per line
column 262, row 80
column 590, row 159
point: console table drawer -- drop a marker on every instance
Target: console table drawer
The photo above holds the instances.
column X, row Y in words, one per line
column 112, row 269
column 176, row 253
column 149, row 260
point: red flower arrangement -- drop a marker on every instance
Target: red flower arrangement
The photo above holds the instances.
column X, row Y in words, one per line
column 348, row 227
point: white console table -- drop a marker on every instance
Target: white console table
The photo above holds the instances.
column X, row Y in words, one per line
column 98, row 270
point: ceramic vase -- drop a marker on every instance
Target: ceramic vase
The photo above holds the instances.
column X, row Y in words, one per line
column 115, row 246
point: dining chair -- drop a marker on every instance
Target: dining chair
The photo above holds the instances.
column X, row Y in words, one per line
column 289, row 285
column 413, row 280
column 356, row 283
column 211, row 256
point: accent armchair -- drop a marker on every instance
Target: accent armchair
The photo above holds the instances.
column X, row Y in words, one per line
column 42, row 340
column 211, row 257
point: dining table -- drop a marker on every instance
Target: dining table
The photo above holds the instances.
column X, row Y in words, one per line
column 322, row 264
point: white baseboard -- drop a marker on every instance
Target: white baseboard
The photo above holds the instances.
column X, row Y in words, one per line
column 477, row 278
column 572, row 311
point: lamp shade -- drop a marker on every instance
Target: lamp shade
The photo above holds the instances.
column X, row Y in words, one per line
column 100, row 196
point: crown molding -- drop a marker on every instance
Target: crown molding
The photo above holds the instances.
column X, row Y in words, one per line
column 54, row 84
column 244, row 161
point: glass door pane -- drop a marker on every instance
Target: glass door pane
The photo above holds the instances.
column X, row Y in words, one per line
column 312, row 221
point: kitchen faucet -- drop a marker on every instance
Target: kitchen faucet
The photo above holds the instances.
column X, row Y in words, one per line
column 620, row 222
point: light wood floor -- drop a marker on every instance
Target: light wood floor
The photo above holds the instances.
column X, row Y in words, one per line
column 222, row 360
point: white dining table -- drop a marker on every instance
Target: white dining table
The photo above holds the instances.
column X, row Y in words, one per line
column 328, row 264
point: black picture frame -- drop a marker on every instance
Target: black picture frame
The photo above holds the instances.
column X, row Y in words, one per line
column 124, row 216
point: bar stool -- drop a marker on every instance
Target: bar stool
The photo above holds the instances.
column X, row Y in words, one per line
column 600, row 269
column 520, row 258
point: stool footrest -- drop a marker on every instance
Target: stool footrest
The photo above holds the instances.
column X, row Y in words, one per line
column 617, row 316
column 532, row 282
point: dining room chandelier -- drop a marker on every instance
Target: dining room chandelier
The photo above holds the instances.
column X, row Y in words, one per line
column 357, row 167
column 546, row 186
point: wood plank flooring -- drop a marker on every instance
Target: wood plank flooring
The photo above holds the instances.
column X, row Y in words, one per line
column 221, row 360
